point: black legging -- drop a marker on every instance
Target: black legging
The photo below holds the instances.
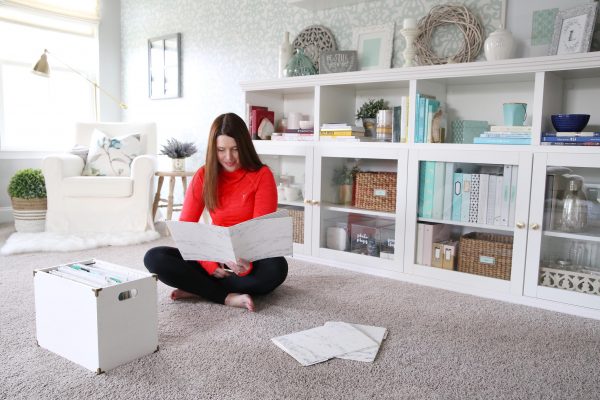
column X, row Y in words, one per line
column 173, row 270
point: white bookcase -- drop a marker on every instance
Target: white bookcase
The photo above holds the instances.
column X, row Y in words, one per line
column 473, row 91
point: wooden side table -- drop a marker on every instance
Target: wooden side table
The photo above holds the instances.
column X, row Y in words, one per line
column 169, row 200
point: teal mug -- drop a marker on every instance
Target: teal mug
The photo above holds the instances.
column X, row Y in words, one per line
column 515, row 114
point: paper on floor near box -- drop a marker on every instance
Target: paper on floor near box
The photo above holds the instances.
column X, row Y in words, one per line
column 255, row 239
column 319, row 344
column 376, row 333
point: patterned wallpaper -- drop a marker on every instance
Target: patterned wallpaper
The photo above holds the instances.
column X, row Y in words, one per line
column 228, row 41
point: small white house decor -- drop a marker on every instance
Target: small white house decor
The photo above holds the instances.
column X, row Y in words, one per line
column 463, row 19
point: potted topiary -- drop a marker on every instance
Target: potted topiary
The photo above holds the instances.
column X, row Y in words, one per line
column 27, row 191
column 368, row 114
column 178, row 152
column 344, row 178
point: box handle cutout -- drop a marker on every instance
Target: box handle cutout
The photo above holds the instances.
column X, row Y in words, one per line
column 128, row 294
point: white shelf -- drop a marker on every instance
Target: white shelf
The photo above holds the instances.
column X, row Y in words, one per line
column 354, row 210
column 290, row 203
column 469, row 224
column 590, row 236
column 323, row 4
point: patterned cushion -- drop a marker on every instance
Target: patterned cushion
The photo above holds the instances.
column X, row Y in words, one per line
column 111, row 156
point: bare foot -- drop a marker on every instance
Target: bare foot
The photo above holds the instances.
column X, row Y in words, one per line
column 239, row 300
column 179, row 294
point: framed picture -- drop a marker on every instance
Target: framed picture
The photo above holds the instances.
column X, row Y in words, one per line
column 374, row 45
column 164, row 67
column 573, row 29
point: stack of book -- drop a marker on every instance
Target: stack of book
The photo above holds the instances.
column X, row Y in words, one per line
column 571, row 138
column 341, row 132
column 500, row 134
column 261, row 121
column 295, row 134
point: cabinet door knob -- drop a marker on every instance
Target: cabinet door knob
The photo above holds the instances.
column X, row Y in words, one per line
column 534, row 226
column 315, row 202
column 520, row 225
column 306, row 201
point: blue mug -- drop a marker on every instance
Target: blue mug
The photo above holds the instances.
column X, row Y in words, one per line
column 515, row 114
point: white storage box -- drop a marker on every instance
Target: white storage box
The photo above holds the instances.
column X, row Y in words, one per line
column 97, row 325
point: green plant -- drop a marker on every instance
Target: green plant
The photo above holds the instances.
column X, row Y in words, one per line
column 369, row 108
column 344, row 175
column 176, row 149
column 27, row 184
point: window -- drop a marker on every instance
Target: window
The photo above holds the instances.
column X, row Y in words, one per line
column 38, row 113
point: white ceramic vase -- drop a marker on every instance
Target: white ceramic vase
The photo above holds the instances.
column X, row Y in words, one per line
column 500, row 45
column 178, row 164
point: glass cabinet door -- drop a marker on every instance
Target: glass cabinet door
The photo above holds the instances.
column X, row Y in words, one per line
column 467, row 222
column 294, row 187
column 357, row 206
column 565, row 226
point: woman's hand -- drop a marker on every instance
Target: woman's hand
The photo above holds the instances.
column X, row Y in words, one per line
column 221, row 273
column 239, row 267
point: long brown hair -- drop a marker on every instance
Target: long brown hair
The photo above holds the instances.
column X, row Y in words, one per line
column 232, row 125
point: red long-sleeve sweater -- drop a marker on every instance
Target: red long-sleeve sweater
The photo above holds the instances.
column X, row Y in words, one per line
column 242, row 195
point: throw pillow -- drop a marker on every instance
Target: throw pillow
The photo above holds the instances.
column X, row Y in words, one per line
column 111, row 156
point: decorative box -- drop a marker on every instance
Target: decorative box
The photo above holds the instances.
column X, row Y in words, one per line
column 98, row 326
column 464, row 131
column 576, row 281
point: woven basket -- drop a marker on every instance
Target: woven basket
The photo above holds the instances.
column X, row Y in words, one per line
column 29, row 214
column 298, row 224
column 29, row 204
column 485, row 254
column 375, row 191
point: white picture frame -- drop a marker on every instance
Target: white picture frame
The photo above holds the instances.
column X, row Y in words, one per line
column 573, row 30
column 374, row 45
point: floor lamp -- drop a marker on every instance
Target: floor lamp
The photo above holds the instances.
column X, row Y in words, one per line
column 42, row 68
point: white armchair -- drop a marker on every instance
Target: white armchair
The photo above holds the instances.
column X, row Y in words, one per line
column 101, row 204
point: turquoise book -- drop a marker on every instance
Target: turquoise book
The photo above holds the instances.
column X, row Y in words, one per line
column 448, row 189
column 428, row 186
column 415, row 133
column 457, row 196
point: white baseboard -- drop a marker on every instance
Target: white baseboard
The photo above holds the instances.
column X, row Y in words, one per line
column 6, row 215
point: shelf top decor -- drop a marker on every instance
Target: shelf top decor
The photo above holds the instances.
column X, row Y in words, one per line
column 314, row 40
column 447, row 14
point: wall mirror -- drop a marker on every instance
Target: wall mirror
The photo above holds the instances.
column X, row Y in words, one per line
column 164, row 66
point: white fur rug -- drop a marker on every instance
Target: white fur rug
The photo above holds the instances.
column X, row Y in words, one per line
column 49, row 241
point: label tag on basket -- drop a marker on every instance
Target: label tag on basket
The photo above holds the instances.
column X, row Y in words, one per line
column 379, row 192
column 487, row 260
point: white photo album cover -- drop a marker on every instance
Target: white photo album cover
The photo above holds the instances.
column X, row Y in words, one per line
column 262, row 237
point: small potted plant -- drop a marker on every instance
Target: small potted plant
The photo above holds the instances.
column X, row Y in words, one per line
column 27, row 191
column 344, row 178
column 178, row 152
column 368, row 114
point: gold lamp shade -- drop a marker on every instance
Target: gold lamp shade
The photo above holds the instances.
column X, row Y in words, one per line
column 41, row 67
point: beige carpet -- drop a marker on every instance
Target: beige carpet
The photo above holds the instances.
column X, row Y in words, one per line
column 440, row 344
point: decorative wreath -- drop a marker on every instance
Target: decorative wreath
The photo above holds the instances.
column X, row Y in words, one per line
column 464, row 20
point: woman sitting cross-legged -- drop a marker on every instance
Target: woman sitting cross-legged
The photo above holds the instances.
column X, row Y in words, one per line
column 235, row 186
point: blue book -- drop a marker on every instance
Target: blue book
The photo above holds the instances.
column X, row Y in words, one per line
column 438, row 190
column 576, row 139
column 448, row 190
column 421, row 188
column 415, row 133
column 457, row 196
column 579, row 134
column 500, row 140
column 421, row 131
